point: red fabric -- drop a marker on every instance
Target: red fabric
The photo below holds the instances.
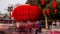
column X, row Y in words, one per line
column 47, row 11
column 24, row 13
column 42, row 2
column 54, row 4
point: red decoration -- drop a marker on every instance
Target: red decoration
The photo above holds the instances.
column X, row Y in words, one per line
column 24, row 13
column 47, row 11
column 54, row 4
column 55, row 10
column 42, row 2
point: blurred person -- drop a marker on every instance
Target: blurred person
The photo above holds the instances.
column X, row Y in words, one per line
column 36, row 27
column 19, row 27
column 26, row 28
column 30, row 26
column 39, row 26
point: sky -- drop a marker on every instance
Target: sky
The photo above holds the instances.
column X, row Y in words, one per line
column 5, row 3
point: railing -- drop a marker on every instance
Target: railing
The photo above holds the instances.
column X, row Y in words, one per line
column 7, row 21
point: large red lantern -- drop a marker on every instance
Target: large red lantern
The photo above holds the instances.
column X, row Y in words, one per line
column 26, row 12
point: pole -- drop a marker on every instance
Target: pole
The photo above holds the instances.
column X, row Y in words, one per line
column 46, row 22
column 10, row 8
column 46, row 19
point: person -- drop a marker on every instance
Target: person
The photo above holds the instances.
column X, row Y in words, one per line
column 36, row 27
column 30, row 27
column 19, row 27
column 39, row 26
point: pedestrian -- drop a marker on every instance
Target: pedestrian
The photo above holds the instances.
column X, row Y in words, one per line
column 30, row 27
column 19, row 27
column 39, row 26
column 36, row 27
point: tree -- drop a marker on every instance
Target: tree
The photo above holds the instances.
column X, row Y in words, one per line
column 45, row 4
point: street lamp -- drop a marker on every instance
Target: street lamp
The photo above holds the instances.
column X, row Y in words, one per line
column 10, row 8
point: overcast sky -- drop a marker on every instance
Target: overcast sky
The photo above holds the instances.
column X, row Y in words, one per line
column 4, row 4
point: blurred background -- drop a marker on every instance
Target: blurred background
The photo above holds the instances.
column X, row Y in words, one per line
column 52, row 15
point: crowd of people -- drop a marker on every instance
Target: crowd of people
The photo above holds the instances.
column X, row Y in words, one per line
column 28, row 27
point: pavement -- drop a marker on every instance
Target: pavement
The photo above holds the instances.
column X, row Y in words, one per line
column 33, row 32
column 44, row 31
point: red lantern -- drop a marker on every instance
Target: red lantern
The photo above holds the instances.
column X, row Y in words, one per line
column 47, row 11
column 42, row 2
column 55, row 10
column 54, row 4
column 25, row 13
